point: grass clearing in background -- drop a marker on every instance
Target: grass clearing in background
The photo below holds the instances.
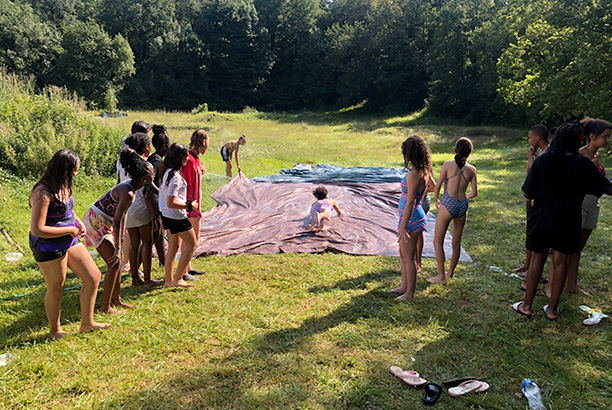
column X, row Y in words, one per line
column 314, row 331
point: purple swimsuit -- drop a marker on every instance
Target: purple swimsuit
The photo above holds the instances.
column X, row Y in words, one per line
column 318, row 207
column 61, row 215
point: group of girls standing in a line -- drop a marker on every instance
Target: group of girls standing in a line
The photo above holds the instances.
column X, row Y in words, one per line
column 456, row 176
column 160, row 194
column 563, row 185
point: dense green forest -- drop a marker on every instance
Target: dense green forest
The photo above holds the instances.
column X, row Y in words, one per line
column 476, row 61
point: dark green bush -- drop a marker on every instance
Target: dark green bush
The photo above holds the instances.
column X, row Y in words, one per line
column 33, row 126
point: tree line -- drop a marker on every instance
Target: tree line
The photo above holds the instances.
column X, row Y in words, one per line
column 476, row 61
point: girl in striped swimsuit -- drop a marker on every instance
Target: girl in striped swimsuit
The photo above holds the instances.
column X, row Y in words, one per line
column 417, row 157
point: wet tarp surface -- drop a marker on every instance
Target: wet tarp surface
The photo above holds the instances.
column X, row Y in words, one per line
column 334, row 173
column 263, row 218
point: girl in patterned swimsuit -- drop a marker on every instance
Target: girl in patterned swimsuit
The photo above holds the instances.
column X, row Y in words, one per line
column 416, row 153
column 105, row 223
column 453, row 206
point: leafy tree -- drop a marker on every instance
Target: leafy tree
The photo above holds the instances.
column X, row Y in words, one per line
column 28, row 45
column 173, row 76
column 466, row 39
column 238, row 51
column 558, row 65
column 376, row 49
column 296, row 42
column 91, row 62
column 141, row 22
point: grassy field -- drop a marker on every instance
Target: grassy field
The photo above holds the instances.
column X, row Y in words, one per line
column 313, row 331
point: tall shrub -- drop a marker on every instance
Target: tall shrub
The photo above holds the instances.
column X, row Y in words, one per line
column 33, row 126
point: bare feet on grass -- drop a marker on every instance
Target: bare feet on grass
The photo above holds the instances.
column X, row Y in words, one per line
column 153, row 282
column 441, row 280
column 521, row 269
column 178, row 284
column 59, row 334
column 93, row 326
column 577, row 291
column 404, row 297
column 397, row 290
column 119, row 303
column 113, row 311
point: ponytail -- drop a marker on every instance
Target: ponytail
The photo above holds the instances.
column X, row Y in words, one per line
column 595, row 126
column 134, row 165
column 463, row 149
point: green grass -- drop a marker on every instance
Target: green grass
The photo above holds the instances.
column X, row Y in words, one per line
column 314, row 331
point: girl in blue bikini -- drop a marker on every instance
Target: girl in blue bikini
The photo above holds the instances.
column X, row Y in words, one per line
column 456, row 176
column 416, row 153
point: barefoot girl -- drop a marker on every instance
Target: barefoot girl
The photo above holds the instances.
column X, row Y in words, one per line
column 105, row 222
column 416, row 154
column 54, row 240
column 426, row 204
column 161, row 142
column 141, row 220
column 174, row 206
column 229, row 149
column 192, row 172
column 456, row 176
column 320, row 211
column 557, row 183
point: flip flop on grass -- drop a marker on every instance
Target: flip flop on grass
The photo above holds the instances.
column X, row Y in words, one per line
column 407, row 376
column 516, row 309
column 545, row 308
column 469, row 386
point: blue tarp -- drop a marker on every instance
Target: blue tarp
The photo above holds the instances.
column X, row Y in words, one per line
column 334, row 173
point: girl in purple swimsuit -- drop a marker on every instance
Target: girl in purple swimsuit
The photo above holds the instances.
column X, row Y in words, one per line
column 418, row 158
column 54, row 240
column 321, row 210
column 456, row 176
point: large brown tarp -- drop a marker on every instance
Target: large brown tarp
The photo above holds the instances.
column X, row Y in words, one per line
column 263, row 218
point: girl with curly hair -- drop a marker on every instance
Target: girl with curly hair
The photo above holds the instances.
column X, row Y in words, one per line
column 456, row 176
column 418, row 159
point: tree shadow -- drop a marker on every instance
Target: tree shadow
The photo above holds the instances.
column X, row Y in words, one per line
column 267, row 371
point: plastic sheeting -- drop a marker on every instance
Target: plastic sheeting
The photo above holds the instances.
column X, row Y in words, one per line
column 264, row 218
column 334, row 174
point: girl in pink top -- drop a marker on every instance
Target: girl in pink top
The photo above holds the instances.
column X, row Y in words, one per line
column 192, row 172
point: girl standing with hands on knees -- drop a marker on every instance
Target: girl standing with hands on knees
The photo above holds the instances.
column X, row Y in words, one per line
column 105, row 222
column 54, row 240
column 174, row 206
column 418, row 159
column 456, row 176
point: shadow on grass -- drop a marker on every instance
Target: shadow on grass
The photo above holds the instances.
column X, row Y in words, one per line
column 476, row 335
column 30, row 324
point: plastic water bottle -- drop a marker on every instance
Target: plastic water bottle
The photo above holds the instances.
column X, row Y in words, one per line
column 532, row 392
column 13, row 256
column 7, row 358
